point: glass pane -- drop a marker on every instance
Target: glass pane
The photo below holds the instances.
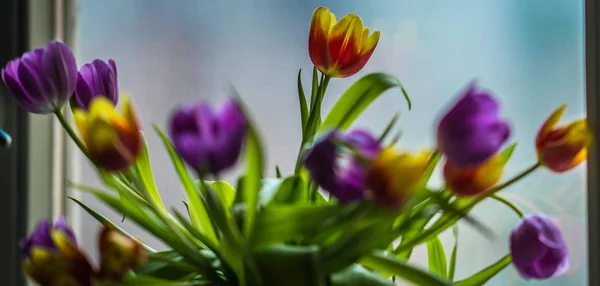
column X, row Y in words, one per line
column 529, row 53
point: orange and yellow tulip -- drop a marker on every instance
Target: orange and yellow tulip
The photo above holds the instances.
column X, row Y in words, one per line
column 394, row 177
column 112, row 137
column 561, row 148
column 473, row 180
column 118, row 254
column 339, row 49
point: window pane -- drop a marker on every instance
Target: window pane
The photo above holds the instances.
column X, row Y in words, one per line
column 528, row 52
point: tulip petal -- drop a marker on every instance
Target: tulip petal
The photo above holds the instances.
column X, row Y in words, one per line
column 321, row 23
column 550, row 122
column 345, row 41
column 367, row 50
column 60, row 67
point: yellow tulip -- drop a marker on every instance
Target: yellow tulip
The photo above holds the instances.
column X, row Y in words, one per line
column 112, row 137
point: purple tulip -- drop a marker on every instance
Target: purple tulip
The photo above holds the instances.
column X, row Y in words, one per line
column 41, row 237
column 209, row 141
column 42, row 80
column 344, row 180
column 472, row 130
column 538, row 249
column 97, row 79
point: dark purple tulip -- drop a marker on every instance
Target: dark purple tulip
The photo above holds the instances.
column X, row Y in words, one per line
column 42, row 80
column 538, row 249
column 97, row 79
column 472, row 130
column 344, row 180
column 209, row 141
column 40, row 237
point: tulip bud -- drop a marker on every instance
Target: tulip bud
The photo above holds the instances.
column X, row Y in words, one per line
column 561, row 148
column 42, row 80
column 96, row 79
column 394, row 177
column 118, row 254
column 112, row 138
column 346, row 182
column 472, row 131
column 208, row 141
column 470, row 181
column 53, row 257
column 339, row 49
column 538, row 249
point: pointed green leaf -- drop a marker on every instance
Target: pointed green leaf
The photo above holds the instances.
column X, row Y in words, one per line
column 252, row 180
column 436, row 257
column 507, row 153
column 198, row 213
column 144, row 171
column 356, row 275
column 452, row 269
column 302, row 101
column 357, row 98
column 484, row 275
column 105, row 221
column 315, row 87
column 402, row 269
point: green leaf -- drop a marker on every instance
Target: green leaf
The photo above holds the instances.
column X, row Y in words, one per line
column 452, row 269
column 356, row 275
column 252, row 181
column 302, row 101
column 290, row 265
column 402, row 269
column 279, row 223
column 225, row 192
column 105, row 221
column 142, row 280
column 291, row 190
column 277, row 172
column 436, row 257
column 486, row 274
column 198, row 213
column 357, row 98
column 315, row 87
column 389, row 127
column 507, row 153
column 144, row 171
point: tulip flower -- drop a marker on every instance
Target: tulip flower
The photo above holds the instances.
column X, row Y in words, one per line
column 97, row 79
column 470, row 181
column 538, row 249
column 208, row 141
column 339, row 49
column 346, row 182
column 394, row 177
column 42, row 80
column 561, row 148
column 472, row 131
column 112, row 137
column 53, row 257
column 118, row 254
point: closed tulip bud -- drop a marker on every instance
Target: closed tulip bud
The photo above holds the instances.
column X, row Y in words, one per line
column 209, row 141
column 346, row 182
column 97, row 79
column 118, row 254
column 339, row 49
column 112, row 137
column 53, row 258
column 470, row 181
column 472, row 131
column 393, row 177
column 42, row 80
column 538, row 249
column 561, row 148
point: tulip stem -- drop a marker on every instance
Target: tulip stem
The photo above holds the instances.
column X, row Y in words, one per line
column 67, row 127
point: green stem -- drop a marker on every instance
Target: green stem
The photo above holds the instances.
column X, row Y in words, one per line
column 512, row 206
column 67, row 127
column 447, row 221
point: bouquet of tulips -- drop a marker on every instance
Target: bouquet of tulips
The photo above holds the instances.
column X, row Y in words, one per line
column 350, row 213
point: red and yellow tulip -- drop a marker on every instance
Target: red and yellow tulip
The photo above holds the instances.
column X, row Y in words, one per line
column 394, row 177
column 112, row 137
column 339, row 49
column 118, row 253
column 473, row 180
column 562, row 147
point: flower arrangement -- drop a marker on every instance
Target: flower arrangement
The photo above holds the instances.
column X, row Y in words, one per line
column 350, row 214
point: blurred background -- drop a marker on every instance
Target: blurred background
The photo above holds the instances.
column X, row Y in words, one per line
column 530, row 53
